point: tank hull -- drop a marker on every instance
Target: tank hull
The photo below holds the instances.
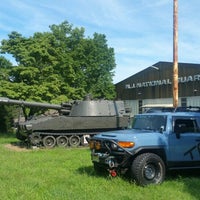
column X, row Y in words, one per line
column 72, row 123
column 73, row 130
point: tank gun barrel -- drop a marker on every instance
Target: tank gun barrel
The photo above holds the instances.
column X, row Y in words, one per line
column 30, row 104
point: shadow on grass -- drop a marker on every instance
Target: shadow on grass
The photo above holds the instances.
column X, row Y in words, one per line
column 189, row 178
column 11, row 142
column 90, row 171
column 7, row 135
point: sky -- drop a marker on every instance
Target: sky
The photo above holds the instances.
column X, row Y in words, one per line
column 140, row 31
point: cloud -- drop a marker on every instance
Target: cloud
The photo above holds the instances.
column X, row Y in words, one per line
column 140, row 31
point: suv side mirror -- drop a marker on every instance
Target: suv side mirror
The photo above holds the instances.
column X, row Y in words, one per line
column 162, row 129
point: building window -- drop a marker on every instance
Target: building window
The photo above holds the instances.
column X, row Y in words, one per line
column 140, row 106
column 184, row 102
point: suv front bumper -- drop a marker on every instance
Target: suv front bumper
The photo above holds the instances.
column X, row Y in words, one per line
column 109, row 158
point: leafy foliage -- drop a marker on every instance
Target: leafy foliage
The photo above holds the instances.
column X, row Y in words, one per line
column 59, row 65
column 6, row 117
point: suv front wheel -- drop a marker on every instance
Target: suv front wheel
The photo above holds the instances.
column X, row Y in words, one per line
column 148, row 168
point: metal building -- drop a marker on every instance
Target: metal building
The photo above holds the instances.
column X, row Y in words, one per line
column 153, row 85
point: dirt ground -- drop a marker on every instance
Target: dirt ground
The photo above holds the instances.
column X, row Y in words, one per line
column 18, row 146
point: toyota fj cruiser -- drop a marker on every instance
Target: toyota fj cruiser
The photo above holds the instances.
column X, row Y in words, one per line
column 157, row 142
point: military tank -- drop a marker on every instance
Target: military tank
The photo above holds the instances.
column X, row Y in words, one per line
column 73, row 122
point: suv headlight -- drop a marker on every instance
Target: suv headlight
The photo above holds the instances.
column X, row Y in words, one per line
column 94, row 145
column 91, row 144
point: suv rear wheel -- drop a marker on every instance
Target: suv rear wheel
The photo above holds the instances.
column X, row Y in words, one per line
column 148, row 168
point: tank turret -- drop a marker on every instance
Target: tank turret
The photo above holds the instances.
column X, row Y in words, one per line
column 75, row 121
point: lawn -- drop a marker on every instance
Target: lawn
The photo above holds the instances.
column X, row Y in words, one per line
column 67, row 173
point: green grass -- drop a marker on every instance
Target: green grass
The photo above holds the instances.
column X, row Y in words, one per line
column 68, row 174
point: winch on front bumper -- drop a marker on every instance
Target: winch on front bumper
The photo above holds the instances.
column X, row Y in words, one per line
column 111, row 155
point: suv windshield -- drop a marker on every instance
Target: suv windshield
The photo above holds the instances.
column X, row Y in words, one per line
column 150, row 122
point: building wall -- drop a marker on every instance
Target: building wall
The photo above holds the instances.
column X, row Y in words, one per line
column 136, row 107
column 154, row 85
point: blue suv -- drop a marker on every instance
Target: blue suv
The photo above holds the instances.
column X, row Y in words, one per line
column 156, row 142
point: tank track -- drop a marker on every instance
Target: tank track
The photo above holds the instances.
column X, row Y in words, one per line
column 51, row 140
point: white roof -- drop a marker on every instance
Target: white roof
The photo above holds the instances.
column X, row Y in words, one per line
column 158, row 106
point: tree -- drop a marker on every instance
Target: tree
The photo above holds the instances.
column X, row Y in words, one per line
column 100, row 66
column 59, row 65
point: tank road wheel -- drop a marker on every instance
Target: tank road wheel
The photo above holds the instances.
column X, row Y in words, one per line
column 148, row 168
column 74, row 141
column 49, row 141
column 35, row 139
column 62, row 141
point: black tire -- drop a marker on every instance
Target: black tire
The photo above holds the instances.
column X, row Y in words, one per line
column 148, row 168
column 62, row 141
column 49, row 141
column 74, row 141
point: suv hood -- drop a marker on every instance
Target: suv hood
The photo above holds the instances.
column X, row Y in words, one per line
column 139, row 137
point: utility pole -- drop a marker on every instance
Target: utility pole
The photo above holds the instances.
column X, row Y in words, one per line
column 175, row 53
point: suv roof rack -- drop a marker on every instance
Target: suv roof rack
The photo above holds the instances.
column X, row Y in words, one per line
column 155, row 108
column 187, row 109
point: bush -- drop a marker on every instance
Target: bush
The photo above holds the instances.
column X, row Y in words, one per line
column 6, row 118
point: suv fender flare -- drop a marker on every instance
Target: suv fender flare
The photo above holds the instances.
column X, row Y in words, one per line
column 159, row 150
